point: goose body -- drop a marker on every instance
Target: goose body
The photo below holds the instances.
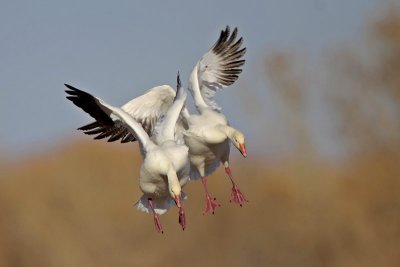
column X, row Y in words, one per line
column 209, row 134
column 165, row 168
column 153, row 172
column 207, row 145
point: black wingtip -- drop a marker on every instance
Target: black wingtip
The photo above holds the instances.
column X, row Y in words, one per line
column 178, row 81
column 71, row 90
column 226, row 42
column 71, row 98
column 69, row 86
column 227, row 29
column 75, row 91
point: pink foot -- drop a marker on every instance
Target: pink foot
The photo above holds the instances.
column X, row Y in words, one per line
column 211, row 205
column 157, row 223
column 182, row 218
column 237, row 196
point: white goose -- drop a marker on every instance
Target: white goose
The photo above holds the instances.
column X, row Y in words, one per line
column 208, row 133
column 165, row 167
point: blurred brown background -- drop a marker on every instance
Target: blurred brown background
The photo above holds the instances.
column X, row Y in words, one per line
column 73, row 205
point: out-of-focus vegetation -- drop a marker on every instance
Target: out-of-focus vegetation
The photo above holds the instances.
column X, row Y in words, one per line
column 74, row 206
column 358, row 84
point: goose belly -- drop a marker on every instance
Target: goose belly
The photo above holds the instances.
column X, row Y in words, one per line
column 180, row 160
column 153, row 184
column 153, row 179
column 203, row 153
column 153, row 173
column 178, row 155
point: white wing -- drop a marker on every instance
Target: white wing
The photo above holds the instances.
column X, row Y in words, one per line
column 171, row 123
column 217, row 68
column 107, row 114
column 145, row 109
column 150, row 106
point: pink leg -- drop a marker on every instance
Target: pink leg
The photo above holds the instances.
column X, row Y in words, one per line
column 236, row 195
column 157, row 222
column 182, row 218
column 211, row 203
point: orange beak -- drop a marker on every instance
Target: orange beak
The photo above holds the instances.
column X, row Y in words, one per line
column 242, row 148
column 178, row 201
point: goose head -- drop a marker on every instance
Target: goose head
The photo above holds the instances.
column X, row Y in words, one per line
column 176, row 195
column 174, row 188
column 238, row 140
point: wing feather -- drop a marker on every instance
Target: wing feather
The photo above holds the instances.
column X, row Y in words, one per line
column 146, row 109
column 107, row 115
column 219, row 67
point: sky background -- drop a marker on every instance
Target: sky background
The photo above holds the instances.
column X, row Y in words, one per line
column 116, row 50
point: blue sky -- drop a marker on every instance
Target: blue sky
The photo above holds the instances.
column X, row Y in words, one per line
column 118, row 49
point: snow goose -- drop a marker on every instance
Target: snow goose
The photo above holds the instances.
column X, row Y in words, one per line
column 209, row 132
column 165, row 167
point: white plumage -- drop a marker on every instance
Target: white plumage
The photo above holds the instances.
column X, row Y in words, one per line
column 165, row 167
column 209, row 133
column 169, row 136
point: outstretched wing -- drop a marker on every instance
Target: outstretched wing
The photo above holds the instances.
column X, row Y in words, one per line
column 145, row 109
column 107, row 114
column 218, row 68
